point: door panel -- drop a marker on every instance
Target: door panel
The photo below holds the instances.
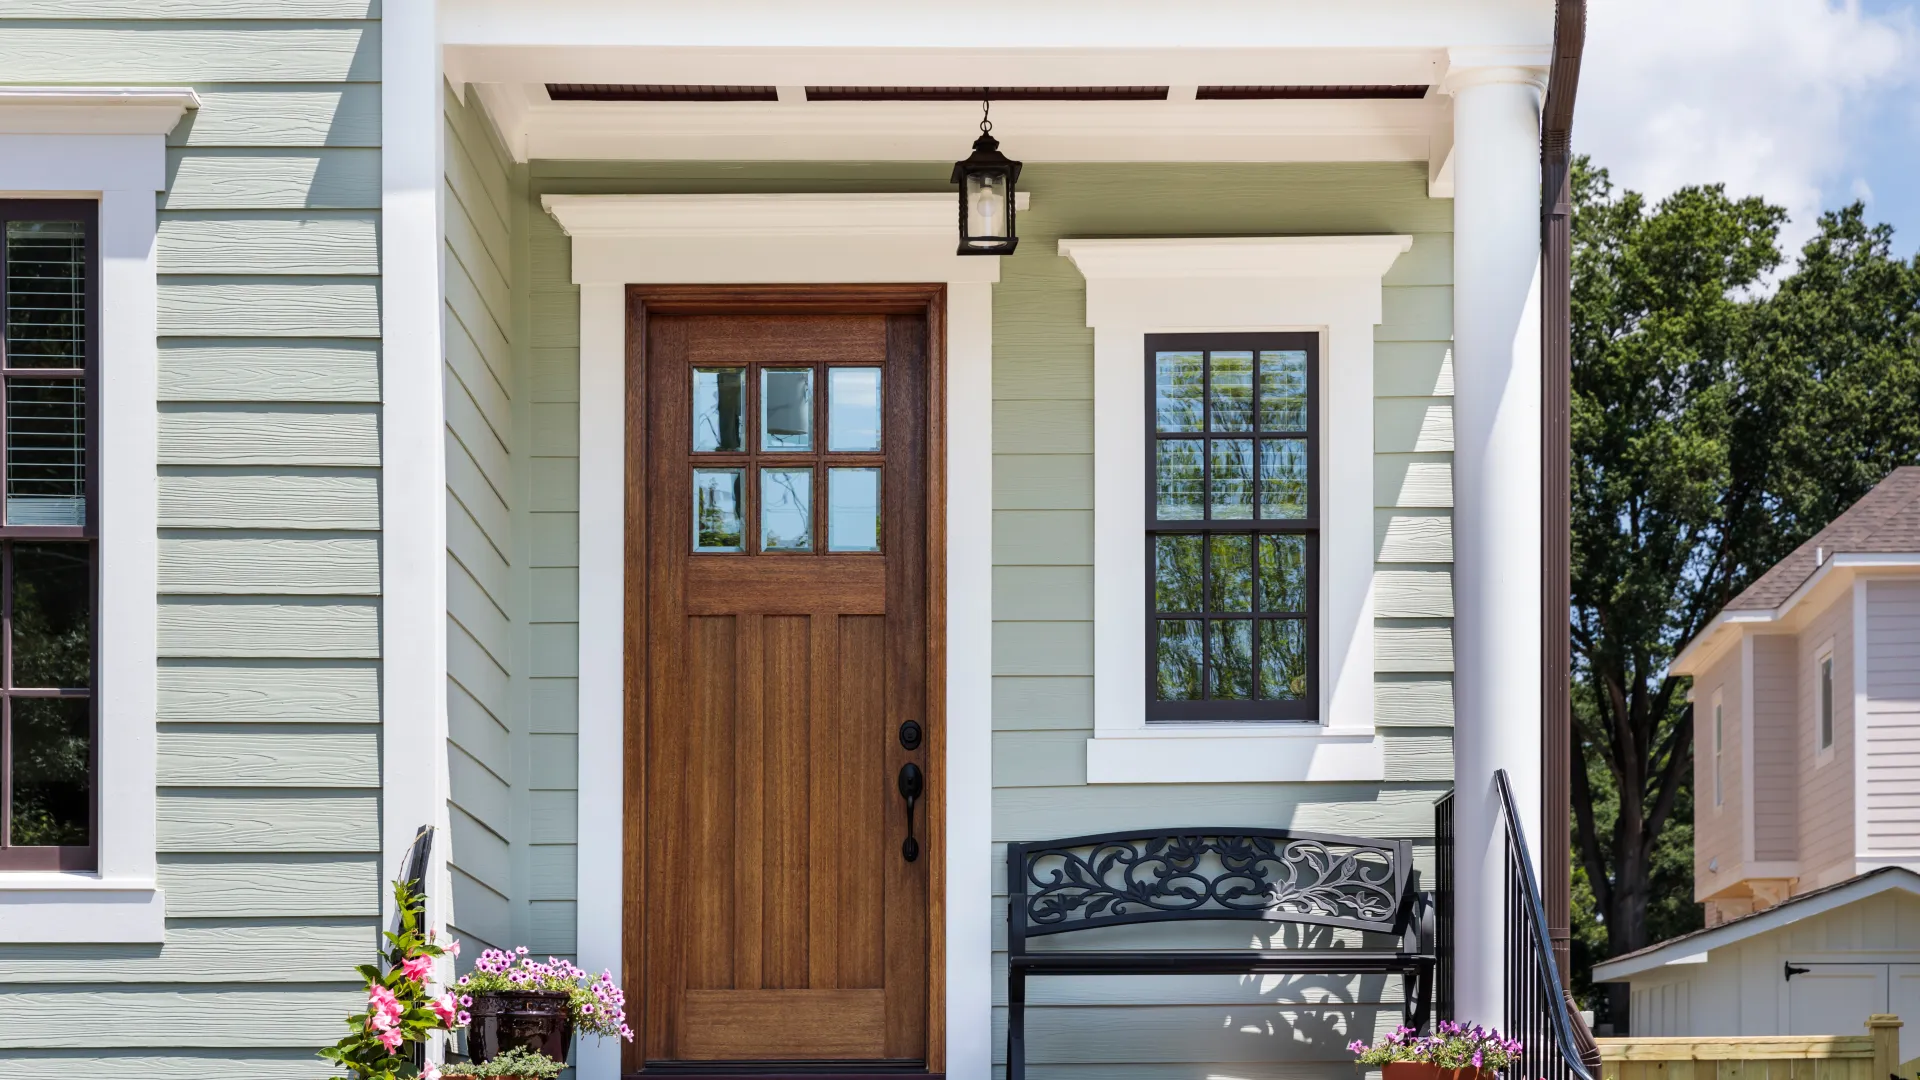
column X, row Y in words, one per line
column 1835, row 999
column 1903, row 1000
column 781, row 920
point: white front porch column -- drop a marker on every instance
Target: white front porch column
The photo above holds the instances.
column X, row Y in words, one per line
column 1496, row 486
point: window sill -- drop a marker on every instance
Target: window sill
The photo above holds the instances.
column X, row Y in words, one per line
column 1230, row 754
column 57, row 908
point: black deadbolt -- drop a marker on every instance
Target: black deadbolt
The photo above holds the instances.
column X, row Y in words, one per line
column 910, row 735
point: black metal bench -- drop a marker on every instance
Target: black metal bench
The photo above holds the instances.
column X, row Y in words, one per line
column 1265, row 875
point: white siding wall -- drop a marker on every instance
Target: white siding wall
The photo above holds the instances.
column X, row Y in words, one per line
column 1893, row 717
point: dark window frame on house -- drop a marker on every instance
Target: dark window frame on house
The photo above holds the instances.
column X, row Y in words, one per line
column 49, row 568
column 1289, row 692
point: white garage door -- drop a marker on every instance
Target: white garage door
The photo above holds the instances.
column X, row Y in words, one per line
column 1835, row 999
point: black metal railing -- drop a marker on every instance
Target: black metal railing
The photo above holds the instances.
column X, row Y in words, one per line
column 1443, row 907
column 1557, row 1043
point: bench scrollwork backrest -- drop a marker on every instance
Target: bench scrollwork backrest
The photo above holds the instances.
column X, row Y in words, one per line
column 1114, row 879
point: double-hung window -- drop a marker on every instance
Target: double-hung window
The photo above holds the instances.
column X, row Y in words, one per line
column 49, row 315
column 1232, row 527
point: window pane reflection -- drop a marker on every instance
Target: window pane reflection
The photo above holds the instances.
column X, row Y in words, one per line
column 717, row 506
column 853, row 509
column 786, row 509
column 719, row 409
column 853, row 408
column 50, row 758
column 786, row 409
column 1177, row 673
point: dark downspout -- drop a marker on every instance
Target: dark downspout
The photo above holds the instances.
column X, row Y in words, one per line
column 1556, row 463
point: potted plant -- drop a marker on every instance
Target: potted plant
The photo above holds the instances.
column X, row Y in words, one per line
column 519, row 1002
column 514, row 1063
column 1453, row 1052
column 402, row 1007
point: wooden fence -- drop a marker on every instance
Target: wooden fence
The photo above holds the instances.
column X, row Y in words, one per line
column 1873, row 1056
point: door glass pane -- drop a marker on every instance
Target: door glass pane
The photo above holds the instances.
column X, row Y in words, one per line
column 1232, row 484
column 853, row 408
column 1283, row 390
column 1230, row 572
column 1230, row 379
column 46, row 294
column 50, row 756
column 717, row 506
column 46, row 452
column 1176, row 573
column 1283, row 573
column 1232, row 669
column 853, row 509
column 719, row 409
column 1177, row 674
column 786, row 509
column 1283, row 659
column 786, row 409
column 1178, row 480
column 1283, row 478
column 1178, row 382
column 52, row 615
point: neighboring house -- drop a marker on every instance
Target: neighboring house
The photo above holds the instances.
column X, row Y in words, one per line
column 353, row 456
column 1806, row 705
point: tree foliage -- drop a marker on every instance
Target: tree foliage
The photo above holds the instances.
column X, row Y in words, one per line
column 1715, row 427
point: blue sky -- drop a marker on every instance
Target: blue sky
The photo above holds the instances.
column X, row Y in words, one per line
column 1809, row 103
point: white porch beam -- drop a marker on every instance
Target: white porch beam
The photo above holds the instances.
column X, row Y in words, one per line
column 1496, row 483
column 988, row 24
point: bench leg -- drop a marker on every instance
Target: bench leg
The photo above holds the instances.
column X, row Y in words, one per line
column 1016, row 1024
column 1419, row 1007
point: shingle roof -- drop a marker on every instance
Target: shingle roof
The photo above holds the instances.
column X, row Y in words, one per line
column 1886, row 519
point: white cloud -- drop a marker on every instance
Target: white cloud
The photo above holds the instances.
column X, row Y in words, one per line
column 1767, row 96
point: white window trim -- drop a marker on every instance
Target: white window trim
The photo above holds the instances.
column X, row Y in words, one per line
column 1719, row 748
column 1824, row 655
column 1324, row 284
column 619, row 240
column 109, row 144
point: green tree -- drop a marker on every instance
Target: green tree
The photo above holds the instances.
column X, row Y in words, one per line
column 1715, row 427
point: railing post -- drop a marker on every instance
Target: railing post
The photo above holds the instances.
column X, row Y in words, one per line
column 1885, row 1029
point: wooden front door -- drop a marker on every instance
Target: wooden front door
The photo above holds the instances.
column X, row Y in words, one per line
column 786, row 615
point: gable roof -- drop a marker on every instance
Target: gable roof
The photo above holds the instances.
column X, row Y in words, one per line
column 1806, row 905
column 1885, row 520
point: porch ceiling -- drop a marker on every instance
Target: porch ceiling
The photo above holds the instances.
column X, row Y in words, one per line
column 510, row 50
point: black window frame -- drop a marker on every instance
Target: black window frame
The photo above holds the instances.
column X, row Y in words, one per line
column 1206, row 709
column 66, row 858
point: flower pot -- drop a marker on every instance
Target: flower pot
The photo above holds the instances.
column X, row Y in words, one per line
column 536, row 1019
column 1420, row 1070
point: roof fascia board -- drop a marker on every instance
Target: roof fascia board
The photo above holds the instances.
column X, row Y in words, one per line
column 1703, row 649
column 1773, row 919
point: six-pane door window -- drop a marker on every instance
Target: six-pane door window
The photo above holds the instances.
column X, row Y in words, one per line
column 48, row 348
column 769, row 448
column 1232, row 526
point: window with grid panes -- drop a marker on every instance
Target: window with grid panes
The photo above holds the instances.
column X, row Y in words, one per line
column 48, row 347
column 1232, row 527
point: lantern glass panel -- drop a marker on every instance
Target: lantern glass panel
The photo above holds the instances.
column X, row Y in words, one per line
column 986, row 208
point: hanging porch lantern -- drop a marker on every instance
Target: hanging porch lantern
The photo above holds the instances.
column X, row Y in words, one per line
column 986, row 180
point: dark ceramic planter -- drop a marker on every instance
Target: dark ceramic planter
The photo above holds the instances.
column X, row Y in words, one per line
column 1420, row 1070
column 535, row 1019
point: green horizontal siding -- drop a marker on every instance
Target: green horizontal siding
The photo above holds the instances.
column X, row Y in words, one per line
column 268, row 750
